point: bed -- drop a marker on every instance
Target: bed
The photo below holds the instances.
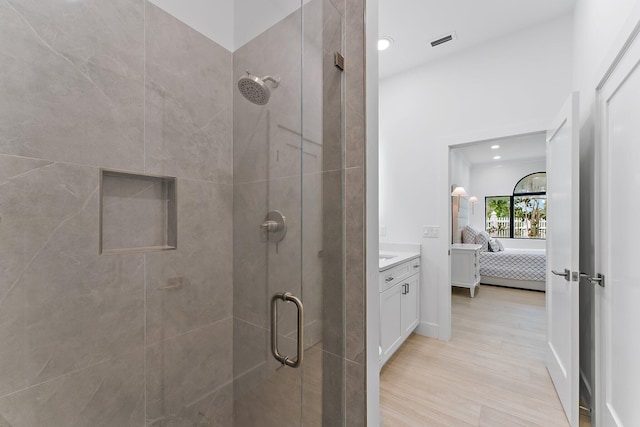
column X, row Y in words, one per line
column 516, row 268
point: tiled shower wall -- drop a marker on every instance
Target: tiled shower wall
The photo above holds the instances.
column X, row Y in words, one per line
column 114, row 340
column 89, row 339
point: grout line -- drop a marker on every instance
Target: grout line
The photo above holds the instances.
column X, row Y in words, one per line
column 144, row 169
column 144, row 327
column 144, row 91
column 190, row 331
column 92, row 166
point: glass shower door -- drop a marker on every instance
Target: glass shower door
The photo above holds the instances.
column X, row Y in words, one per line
column 288, row 161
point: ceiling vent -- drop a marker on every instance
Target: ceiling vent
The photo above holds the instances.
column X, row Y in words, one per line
column 444, row 39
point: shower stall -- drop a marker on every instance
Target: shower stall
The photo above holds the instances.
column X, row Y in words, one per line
column 182, row 213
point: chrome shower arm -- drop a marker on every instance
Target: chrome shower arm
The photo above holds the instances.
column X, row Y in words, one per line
column 275, row 80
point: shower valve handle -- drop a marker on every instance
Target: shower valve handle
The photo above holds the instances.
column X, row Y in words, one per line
column 269, row 226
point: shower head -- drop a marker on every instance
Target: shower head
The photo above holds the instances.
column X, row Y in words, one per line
column 255, row 89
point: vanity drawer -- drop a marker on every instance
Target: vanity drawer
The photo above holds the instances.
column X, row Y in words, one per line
column 390, row 277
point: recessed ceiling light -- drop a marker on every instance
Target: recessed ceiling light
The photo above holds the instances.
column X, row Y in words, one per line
column 384, row 43
column 496, row 157
column 495, row 147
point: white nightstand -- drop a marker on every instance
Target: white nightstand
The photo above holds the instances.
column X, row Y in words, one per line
column 465, row 266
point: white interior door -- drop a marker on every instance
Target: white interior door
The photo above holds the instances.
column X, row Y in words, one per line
column 617, row 313
column 563, row 256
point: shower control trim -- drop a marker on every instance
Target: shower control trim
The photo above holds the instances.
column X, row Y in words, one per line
column 274, row 227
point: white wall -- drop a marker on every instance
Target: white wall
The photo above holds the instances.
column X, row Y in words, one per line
column 597, row 25
column 503, row 88
column 498, row 180
column 212, row 18
column 230, row 23
column 372, row 249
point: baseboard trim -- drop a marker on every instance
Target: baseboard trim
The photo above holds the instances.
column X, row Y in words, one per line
column 428, row 329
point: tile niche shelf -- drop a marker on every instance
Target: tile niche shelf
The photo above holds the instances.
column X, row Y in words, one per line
column 138, row 212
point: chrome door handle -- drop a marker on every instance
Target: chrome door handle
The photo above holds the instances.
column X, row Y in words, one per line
column 566, row 274
column 594, row 280
column 286, row 360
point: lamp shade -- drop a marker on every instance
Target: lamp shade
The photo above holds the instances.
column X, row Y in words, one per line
column 459, row 191
column 473, row 199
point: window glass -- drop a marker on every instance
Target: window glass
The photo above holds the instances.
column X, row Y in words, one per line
column 534, row 183
column 530, row 217
column 498, row 216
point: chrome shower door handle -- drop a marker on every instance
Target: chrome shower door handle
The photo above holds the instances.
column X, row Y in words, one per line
column 286, row 360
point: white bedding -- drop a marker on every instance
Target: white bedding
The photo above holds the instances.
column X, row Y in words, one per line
column 518, row 264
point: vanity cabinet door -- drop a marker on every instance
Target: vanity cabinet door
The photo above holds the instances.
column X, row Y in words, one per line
column 390, row 321
column 410, row 304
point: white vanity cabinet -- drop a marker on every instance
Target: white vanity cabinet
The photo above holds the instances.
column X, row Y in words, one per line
column 399, row 304
column 465, row 266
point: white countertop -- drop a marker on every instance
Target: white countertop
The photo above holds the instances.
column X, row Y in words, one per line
column 397, row 257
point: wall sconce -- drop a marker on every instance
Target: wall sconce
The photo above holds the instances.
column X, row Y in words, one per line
column 459, row 192
column 473, row 200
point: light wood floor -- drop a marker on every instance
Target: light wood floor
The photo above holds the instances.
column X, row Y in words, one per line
column 491, row 373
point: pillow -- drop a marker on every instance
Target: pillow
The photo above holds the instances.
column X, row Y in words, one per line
column 494, row 245
column 469, row 234
column 483, row 239
column 499, row 244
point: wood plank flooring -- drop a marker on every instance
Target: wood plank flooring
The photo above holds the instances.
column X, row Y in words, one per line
column 492, row 373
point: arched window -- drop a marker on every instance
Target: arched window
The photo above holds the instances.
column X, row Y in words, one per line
column 523, row 215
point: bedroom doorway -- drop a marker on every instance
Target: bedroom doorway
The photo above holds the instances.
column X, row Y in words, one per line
column 498, row 224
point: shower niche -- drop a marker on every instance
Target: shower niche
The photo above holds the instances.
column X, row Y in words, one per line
column 138, row 212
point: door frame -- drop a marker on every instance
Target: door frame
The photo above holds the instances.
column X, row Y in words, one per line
column 629, row 31
column 445, row 213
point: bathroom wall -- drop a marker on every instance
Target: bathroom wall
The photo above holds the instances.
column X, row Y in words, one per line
column 90, row 339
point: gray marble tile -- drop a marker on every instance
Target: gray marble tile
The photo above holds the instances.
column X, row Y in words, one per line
column 185, row 372
column 250, row 290
column 313, row 393
column 354, row 264
column 333, row 262
column 284, row 259
column 267, row 138
column 214, row 409
column 354, row 84
column 193, row 285
column 272, row 398
column 339, row 5
column 355, row 397
column 20, row 236
column 12, row 337
column 188, row 115
column 108, row 394
column 332, row 92
column 72, row 81
column 80, row 308
column 312, row 257
column 251, row 347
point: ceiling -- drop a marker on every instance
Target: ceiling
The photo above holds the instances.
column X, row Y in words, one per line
column 522, row 147
column 412, row 24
